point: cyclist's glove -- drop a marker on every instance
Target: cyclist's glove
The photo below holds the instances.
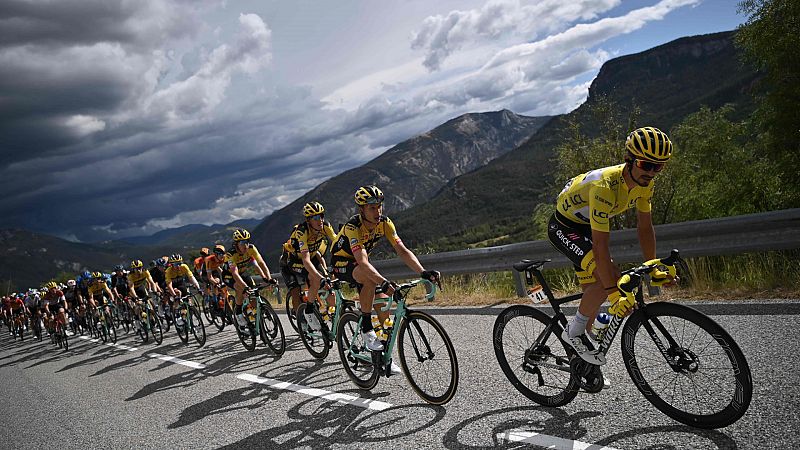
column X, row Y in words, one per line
column 272, row 281
column 384, row 287
column 431, row 275
column 660, row 277
column 621, row 304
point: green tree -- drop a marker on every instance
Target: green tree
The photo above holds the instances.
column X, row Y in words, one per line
column 770, row 39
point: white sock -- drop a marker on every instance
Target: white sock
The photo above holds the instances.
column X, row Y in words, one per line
column 578, row 325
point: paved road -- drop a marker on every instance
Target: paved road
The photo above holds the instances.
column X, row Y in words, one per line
column 133, row 397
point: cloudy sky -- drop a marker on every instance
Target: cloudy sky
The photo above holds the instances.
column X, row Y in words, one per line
column 122, row 118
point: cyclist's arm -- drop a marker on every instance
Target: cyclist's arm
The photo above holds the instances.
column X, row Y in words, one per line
column 235, row 274
column 170, row 290
column 305, row 255
column 647, row 234
column 372, row 273
column 262, row 267
column 407, row 256
column 194, row 281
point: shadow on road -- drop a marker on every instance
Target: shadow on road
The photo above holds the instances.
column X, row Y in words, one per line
column 490, row 429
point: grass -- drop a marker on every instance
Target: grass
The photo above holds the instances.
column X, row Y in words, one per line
column 768, row 275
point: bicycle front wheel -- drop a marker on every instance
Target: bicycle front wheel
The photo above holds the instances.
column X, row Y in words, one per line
column 290, row 312
column 112, row 332
column 686, row 365
column 532, row 356
column 428, row 358
column 357, row 359
column 197, row 327
column 271, row 330
column 315, row 337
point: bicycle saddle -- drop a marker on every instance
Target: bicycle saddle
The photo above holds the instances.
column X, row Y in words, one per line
column 527, row 264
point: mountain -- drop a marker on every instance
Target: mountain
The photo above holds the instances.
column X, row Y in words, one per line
column 192, row 235
column 666, row 82
column 410, row 172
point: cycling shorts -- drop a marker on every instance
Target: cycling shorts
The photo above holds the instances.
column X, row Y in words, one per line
column 574, row 240
column 343, row 270
column 295, row 276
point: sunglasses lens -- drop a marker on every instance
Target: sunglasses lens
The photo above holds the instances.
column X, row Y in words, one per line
column 649, row 166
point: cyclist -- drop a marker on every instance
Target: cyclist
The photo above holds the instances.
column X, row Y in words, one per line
column 350, row 257
column 178, row 274
column 140, row 285
column 54, row 302
column 157, row 274
column 300, row 264
column 580, row 228
column 199, row 261
column 99, row 288
column 214, row 268
column 82, row 285
column 245, row 261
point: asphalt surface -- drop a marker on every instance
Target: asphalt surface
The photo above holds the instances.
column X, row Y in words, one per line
column 100, row 396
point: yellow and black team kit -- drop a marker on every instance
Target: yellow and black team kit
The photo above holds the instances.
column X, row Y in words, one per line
column 355, row 236
column 139, row 280
column 304, row 239
column 588, row 202
column 177, row 276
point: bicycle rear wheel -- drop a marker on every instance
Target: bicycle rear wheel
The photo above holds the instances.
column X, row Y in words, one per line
column 64, row 340
column 195, row 324
column 290, row 313
column 181, row 315
column 686, row 365
column 358, row 361
column 532, row 356
column 316, row 340
column 125, row 317
column 428, row 358
column 247, row 334
column 155, row 327
column 271, row 329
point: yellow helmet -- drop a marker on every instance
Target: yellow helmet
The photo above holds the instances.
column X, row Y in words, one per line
column 204, row 251
column 312, row 209
column 240, row 234
column 649, row 144
column 51, row 285
column 136, row 264
column 175, row 258
column 368, row 194
column 97, row 275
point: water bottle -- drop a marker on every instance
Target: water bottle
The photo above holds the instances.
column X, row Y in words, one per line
column 387, row 326
column 600, row 326
column 376, row 325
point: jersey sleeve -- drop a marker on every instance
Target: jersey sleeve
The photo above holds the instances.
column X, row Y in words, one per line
column 351, row 234
column 391, row 232
column 643, row 203
column 601, row 201
column 300, row 241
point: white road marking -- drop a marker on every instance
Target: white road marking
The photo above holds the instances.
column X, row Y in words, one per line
column 172, row 359
column 314, row 392
column 543, row 440
column 121, row 346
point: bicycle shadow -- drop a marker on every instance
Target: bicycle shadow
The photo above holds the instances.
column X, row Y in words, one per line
column 495, row 427
column 319, row 423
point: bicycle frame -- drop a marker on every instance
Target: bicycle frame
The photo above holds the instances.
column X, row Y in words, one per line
column 400, row 313
column 253, row 293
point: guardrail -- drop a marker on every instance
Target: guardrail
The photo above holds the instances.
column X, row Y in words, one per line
column 774, row 230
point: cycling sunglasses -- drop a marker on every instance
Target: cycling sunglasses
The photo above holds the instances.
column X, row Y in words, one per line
column 317, row 217
column 648, row 166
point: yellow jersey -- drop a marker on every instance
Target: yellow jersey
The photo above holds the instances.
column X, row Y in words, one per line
column 594, row 197
column 301, row 241
column 139, row 278
column 355, row 236
column 244, row 262
column 177, row 272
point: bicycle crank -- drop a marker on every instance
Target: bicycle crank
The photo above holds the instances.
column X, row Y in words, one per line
column 588, row 376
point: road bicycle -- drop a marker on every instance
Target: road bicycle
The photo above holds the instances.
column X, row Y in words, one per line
column 149, row 322
column 319, row 338
column 682, row 361
column 261, row 319
column 59, row 333
column 188, row 319
column 427, row 355
column 104, row 327
column 214, row 307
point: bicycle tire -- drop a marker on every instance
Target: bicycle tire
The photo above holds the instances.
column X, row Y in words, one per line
column 271, row 330
column 290, row 312
column 348, row 339
column 182, row 330
column 312, row 340
column 422, row 341
column 112, row 332
column 248, row 335
column 715, row 351
column 155, row 328
column 516, row 330
column 124, row 318
column 143, row 330
column 64, row 338
column 196, row 326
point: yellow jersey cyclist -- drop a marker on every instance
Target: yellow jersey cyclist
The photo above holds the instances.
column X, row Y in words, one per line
column 140, row 285
column 350, row 257
column 301, row 261
column 244, row 261
column 176, row 276
column 580, row 228
column 54, row 304
column 98, row 289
